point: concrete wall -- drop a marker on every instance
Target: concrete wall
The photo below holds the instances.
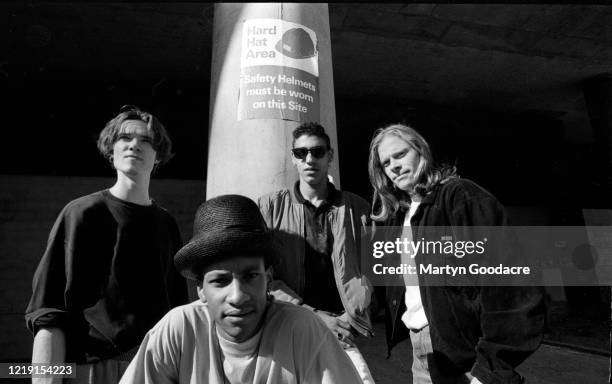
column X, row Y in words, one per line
column 28, row 208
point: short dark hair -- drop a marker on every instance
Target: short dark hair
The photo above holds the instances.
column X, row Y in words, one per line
column 311, row 129
column 110, row 134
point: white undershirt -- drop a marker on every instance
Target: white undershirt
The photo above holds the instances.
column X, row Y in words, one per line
column 414, row 318
column 239, row 359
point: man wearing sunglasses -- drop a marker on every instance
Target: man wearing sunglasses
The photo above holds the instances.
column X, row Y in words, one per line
column 318, row 229
column 107, row 274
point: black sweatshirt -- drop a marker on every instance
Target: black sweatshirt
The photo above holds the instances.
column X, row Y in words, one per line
column 107, row 275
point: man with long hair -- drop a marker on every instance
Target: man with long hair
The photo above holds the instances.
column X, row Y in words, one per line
column 459, row 334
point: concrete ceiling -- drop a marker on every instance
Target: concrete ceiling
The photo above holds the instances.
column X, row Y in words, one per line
column 501, row 56
column 504, row 57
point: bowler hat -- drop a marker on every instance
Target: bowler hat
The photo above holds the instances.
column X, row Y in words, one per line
column 224, row 226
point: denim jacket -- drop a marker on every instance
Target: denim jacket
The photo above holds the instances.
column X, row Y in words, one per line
column 486, row 330
column 348, row 219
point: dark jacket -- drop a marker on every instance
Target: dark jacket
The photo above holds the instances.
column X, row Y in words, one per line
column 348, row 218
column 487, row 330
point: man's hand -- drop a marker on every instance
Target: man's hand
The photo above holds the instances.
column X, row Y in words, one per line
column 339, row 327
column 49, row 347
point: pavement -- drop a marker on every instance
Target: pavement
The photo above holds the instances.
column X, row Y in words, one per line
column 548, row 365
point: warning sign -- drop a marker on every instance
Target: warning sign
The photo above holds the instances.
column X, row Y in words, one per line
column 279, row 71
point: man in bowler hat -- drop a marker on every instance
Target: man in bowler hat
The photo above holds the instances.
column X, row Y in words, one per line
column 236, row 332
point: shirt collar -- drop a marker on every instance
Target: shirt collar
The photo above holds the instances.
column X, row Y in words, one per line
column 332, row 194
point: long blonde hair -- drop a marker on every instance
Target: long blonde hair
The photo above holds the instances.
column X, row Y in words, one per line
column 387, row 199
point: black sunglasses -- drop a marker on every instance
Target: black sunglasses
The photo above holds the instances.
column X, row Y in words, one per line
column 316, row 152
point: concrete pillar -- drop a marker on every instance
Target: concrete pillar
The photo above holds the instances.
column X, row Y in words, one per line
column 598, row 97
column 252, row 156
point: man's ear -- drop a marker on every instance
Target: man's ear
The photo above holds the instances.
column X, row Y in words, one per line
column 268, row 276
column 200, row 290
column 331, row 154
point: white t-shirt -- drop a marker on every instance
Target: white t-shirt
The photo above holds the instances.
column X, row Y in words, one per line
column 414, row 318
column 294, row 346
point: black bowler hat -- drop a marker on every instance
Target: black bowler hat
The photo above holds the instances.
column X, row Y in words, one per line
column 224, row 226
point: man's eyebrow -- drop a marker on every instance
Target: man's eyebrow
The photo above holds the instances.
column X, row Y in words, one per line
column 218, row 272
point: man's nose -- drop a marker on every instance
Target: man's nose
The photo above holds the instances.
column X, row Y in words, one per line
column 309, row 157
column 237, row 295
column 395, row 166
column 134, row 144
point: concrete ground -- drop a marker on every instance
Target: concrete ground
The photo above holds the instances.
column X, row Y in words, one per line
column 548, row 365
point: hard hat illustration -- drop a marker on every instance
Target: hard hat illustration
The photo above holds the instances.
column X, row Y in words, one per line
column 296, row 43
